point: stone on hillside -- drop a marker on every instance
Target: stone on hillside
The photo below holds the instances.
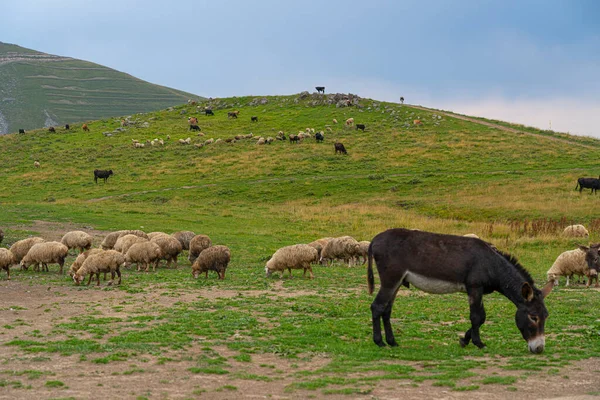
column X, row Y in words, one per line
column 145, row 125
column 304, row 95
column 183, row 112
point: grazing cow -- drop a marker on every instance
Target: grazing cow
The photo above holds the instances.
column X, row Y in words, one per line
column 21, row 130
column 254, row 119
column 232, row 114
column 361, row 127
column 102, row 174
column 417, row 122
column 319, row 137
column 588, row 183
column 51, row 130
column 350, row 122
column 85, row 127
column 209, row 112
column 294, row 138
column 401, row 100
column 441, row 264
column 339, row 148
column 67, row 127
column 320, row 89
column 195, row 128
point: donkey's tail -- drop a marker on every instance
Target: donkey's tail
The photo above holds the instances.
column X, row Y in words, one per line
column 370, row 277
column 576, row 186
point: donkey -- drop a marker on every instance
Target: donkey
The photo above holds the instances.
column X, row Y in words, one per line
column 438, row 264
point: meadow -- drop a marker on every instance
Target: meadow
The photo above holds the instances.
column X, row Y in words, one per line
column 164, row 334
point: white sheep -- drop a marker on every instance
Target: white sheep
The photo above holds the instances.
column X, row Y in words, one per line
column 209, row 141
column 577, row 262
column 126, row 241
column 169, row 249
column 19, row 249
column 197, row 245
column 335, row 121
column 576, row 231
column 298, row 256
column 46, row 253
column 36, row 164
column 105, row 261
column 80, row 259
column 6, row 260
column 143, row 254
column 350, row 122
column 342, row 248
column 139, row 145
column 79, row 240
column 363, row 251
column 260, row 141
column 184, row 238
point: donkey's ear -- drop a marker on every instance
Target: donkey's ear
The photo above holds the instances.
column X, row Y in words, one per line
column 547, row 289
column 527, row 292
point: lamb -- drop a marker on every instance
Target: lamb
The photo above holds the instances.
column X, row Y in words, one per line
column 350, row 122
column 581, row 261
column 343, row 248
column 126, row 241
column 143, row 254
column 215, row 258
column 109, row 241
column 197, row 245
column 184, row 238
column 298, row 256
column 19, row 249
column 77, row 240
column 576, row 231
column 169, row 248
column 80, row 259
column 6, row 260
column 37, row 164
column 46, row 253
column 105, row 261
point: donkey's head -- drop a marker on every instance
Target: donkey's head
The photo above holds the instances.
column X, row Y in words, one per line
column 531, row 316
column 592, row 257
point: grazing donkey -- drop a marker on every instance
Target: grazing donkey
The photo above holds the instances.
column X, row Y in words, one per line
column 440, row 264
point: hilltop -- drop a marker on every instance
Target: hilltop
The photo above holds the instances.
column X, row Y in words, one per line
column 39, row 89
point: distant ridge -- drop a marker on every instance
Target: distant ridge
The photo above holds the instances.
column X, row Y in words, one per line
column 40, row 90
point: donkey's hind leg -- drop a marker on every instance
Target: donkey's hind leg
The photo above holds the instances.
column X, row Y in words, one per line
column 382, row 306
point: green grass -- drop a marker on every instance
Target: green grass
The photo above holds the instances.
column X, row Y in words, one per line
column 447, row 176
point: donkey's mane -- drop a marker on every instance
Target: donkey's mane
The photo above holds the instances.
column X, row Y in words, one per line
column 514, row 262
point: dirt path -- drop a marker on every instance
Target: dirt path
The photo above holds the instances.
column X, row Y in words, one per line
column 502, row 128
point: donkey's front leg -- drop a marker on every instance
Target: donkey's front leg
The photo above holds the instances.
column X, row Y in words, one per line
column 477, row 319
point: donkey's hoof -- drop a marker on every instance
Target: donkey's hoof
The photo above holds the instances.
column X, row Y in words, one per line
column 480, row 345
column 392, row 343
column 463, row 342
column 380, row 343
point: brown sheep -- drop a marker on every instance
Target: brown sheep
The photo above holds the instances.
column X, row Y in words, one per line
column 169, row 248
column 214, row 258
column 126, row 241
column 198, row 244
column 80, row 259
column 184, row 238
column 109, row 241
column 298, row 256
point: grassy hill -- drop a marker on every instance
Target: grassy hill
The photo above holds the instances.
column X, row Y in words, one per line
column 39, row 89
column 513, row 188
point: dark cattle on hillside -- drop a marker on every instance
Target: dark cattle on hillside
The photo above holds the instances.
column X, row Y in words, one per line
column 67, row 127
column 209, row 112
column 51, row 129
column 194, row 128
column 294, row 139
column 361, row 127
column 319, row 137
column 339, row 148
column 320, row 89
column 254, row 119
column 21, row 130
column 232, row 114
column 102, row 174
column 588, row 183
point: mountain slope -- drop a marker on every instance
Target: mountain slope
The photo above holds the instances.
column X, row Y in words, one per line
column 38, row 89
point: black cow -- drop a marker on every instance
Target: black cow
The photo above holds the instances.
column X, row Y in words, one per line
column 361, row 127
column 67, row 127
column 51, row 129
column 319, row 137
column 254, row 119
column 21, row 130
column 294, row 139
column 588, row 183
column 209, row 112
column 401, row 100
column 339, row 148
column 102, row 174
column 320, row 89
column 232, row 114
column 195, row 128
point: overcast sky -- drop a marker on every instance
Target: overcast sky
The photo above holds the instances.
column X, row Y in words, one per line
column 531, row 62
